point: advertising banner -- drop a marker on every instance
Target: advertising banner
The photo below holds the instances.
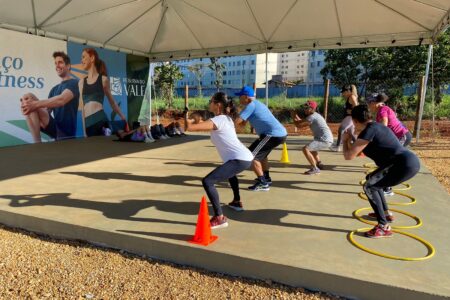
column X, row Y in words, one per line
column 98, row 111
column 136, row 83
column 34, row 106
column 26, row 66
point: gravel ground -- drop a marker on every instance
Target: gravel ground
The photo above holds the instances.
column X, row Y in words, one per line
column 435, row 154
column 37, row 267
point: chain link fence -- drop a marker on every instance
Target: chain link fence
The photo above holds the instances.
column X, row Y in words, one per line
column 404, row 101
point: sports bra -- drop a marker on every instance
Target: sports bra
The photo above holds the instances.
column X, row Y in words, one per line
column 93, row 92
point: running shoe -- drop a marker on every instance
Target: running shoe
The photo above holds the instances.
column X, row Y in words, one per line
column 312, row 171
column 259, row 186
column 218, row 222
column 388, row 191
column 268, row 180
column 379, row 231
column 236, row 205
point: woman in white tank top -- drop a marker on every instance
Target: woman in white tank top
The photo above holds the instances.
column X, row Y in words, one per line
column 235, row 156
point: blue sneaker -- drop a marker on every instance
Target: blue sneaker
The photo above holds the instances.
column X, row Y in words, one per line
column 268, row 180
column 259, row 186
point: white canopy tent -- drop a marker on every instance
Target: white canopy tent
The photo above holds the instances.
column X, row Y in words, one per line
column 177, row 29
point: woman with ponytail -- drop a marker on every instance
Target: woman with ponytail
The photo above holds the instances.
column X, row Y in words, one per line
column 236, row 157
column 93, row 88
column 350, row 95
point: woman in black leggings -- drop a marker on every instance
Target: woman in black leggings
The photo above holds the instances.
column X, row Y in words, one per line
column 236, row 157
column 396, row 164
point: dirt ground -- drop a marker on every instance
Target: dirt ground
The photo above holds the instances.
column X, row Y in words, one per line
column 38, row 267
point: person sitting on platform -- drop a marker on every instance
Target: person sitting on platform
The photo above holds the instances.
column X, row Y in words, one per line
column 140, row 134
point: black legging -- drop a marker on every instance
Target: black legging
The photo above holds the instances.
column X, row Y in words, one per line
column 404, row 167
column 228, row 170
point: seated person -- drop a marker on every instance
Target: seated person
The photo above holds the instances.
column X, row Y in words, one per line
column 174, row 129
column 159, row 132
column 140, row 134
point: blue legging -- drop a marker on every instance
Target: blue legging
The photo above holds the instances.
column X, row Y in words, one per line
column 228, row 170
column 404, row 166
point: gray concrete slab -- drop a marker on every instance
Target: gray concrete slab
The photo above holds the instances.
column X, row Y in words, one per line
column 144, row 198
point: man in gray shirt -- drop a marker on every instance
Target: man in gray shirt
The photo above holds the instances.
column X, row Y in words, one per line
column 323, row 138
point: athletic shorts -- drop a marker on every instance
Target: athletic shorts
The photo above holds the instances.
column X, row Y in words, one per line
column 50, row 130
column 318, row 145
column 264, row 145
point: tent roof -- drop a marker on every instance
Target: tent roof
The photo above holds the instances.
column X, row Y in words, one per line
column 177, row 29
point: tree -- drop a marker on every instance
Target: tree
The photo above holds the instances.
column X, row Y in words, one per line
column 388, row 69
column 218, row 68
column 165, row 77
column 198, row 71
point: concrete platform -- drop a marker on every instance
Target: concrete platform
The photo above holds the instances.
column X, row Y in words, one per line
column 144, row 198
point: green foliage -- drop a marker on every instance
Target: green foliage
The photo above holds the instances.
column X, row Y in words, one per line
column 389, row 69
column 165, row 77
column 405, row 109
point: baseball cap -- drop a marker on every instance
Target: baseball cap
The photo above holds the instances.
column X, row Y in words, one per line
column 247, row 91
column 377, row 97
column 312, row 104
column 372, row 98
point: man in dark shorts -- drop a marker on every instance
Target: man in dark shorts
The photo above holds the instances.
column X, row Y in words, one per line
column 57, row 115
column 271, row 134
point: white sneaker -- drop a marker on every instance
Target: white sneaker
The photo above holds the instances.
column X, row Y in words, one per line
column 336, row 148
column 149, row 140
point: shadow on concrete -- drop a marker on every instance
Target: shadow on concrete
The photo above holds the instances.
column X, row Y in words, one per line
column 184, row 180
column 126, row 209
column 36, row 158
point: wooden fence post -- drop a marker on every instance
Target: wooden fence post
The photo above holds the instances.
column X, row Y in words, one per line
column 186, row 104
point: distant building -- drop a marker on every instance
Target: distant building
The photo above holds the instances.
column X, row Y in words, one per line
column 250, row 69
column 316, row 64
column 293, row 66
column 238, row 71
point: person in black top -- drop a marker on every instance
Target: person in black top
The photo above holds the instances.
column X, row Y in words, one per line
column 350, row 95
column 93, row 89
column 396, row 164
column 57, row 115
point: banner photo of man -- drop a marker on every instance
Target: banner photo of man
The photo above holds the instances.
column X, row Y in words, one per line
column 102, row 88
column 38, row 96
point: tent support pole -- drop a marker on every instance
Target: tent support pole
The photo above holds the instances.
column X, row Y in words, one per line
column 424, row 92
column 150, row 81
column 267, row 83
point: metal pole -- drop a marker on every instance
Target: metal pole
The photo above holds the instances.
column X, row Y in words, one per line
column 150, row 94
column 427, row 71
column 267, row 83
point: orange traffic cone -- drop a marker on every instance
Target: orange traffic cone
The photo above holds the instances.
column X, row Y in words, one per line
column 127, row 128
column 284, row 155
column 203, row 230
